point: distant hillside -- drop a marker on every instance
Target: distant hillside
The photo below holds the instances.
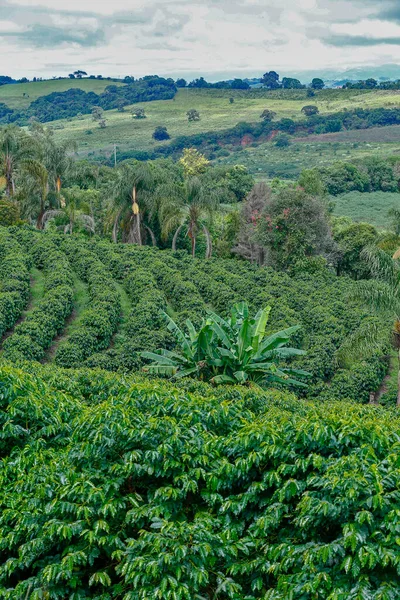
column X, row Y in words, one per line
column 389, row 71
column 21, row 95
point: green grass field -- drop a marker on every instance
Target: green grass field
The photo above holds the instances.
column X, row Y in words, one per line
column 372, row 208
column 266, row 161
column 216, row 114
column 13, row 95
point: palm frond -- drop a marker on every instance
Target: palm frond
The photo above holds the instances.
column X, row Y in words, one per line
column 380, row 296
column 380, row 264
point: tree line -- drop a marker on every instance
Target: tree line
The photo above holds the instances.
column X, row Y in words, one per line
column 61, row 105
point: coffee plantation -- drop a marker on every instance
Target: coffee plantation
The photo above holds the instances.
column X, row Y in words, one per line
column 117, row 484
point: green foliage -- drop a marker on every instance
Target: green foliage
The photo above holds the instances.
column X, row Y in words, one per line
column 352, row 238
column 34, row 335
column 14, row 280
column 113, row 488
column 9, row 213
column 100, row 319
column 282, row 140
column 293, row 225
column 234, row 350
column 160, row 133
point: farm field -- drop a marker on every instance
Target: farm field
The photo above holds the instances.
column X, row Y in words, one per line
column 216, row 112
column 96, row 300
column 266, row 161
column 13, row 94
column 114, row 464
column 368, row 207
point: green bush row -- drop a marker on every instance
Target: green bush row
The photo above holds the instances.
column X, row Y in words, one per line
column 119, row 488
column 34, row 335
column 14, row 280
column 143, row 328
column 321, row 302
column 100, row 320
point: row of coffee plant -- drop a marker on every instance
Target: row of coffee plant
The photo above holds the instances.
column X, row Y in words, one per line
column 31, row 338
column 323, row 304
column 100, row 319
column 14, row 280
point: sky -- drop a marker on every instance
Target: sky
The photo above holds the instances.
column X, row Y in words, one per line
column 185, row 38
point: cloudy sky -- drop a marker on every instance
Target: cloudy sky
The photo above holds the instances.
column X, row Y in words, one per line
column 186, row 38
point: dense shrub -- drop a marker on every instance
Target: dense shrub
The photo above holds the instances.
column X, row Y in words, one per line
column 14, row 280
column 34, row 335
column 255, row 495
column 100, row 320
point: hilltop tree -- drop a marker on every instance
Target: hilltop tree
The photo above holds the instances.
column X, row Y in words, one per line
column 199, row 83
column 289, row 83
column 161, row 133
column 79, row 74
column 310, row 110
column 271, row 80
column 317, row 84
column 267, row 115
column 181, row 83
column 97, row 113
column 138, row 113
column 193, row 115
column 239, row 84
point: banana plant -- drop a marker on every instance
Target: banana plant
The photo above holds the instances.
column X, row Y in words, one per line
column 230, row 351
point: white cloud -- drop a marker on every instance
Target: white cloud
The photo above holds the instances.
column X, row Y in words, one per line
column 47, row 37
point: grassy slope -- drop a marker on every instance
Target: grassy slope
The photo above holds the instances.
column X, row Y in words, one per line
column 267, row 161
column 216, row 114
column 12, row 95
column 373, row 207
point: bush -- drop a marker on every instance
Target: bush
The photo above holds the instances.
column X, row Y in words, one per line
column 100, row 320
column 15, row 280
column 34, row 335
column 247, row 490
column 161, row 133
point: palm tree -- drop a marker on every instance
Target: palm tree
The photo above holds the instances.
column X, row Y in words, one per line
column 382, row 294
column 58, row 162
column 36, row 179
column 131, row 199
column 76, row 213
column 15, row 146
column 186, row 205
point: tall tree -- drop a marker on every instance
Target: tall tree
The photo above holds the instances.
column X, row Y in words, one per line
column 187, row 205
column 15, row 147
column 130, row 196
column 36, row 188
